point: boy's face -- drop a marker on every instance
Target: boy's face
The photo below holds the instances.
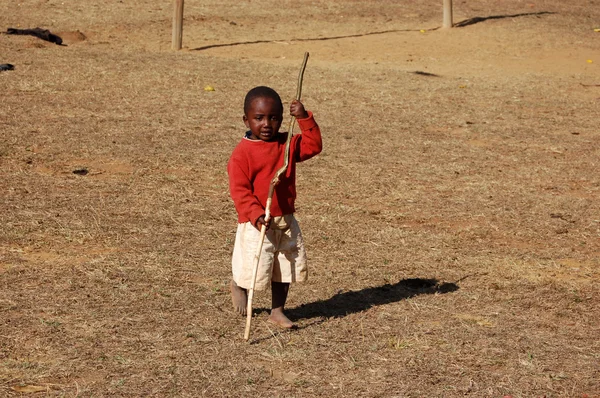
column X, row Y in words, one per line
column 264, row 118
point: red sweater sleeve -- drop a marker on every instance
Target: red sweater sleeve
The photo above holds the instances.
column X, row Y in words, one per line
column 309, row 143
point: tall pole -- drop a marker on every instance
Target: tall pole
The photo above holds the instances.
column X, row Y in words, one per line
column 447, row 14
column 177, row 25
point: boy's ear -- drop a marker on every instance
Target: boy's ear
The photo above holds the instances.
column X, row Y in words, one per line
column 245, row 119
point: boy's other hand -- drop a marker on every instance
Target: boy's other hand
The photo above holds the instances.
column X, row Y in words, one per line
column 297, row 110
column 260, row 222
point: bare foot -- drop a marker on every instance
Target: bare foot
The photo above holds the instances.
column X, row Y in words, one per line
column 278, row 318
column 239, row 298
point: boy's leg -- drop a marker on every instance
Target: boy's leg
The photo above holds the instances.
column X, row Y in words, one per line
column 279, row 292
column 242, row 264
column 239, row 297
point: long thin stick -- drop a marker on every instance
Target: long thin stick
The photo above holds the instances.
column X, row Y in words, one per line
column 274, row 182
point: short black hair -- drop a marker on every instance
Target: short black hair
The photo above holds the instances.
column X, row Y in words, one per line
column 261, row 92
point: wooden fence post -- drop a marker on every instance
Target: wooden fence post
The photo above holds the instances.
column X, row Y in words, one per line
column 177, row 25
column 447, row 14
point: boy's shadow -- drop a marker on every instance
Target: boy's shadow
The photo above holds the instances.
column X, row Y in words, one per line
column 344, row 303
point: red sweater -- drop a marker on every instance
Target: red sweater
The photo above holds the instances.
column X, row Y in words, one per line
column 253, row 165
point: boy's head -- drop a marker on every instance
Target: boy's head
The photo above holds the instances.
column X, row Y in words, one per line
column 261, row 91
column 263, row 113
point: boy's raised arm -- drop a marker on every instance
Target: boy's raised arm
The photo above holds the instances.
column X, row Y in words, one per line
column 309, row 143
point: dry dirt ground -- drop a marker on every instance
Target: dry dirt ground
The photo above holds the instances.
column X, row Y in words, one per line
column 452, row 220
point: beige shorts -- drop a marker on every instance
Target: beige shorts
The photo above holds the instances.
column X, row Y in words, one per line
column 282, row 259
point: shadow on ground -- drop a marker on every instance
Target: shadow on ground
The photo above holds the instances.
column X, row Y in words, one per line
column 466, row 22
column 474, row 20
column 239, row 43
column 344, row 303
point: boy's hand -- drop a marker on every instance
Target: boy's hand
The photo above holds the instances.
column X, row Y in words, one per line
column 260, row 222
column 297, row 110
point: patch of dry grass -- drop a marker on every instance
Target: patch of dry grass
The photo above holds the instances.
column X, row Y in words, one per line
column 452, row 221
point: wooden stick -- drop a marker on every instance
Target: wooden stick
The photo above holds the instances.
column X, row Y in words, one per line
column 447, row 14
column 177, row 37
column 274, row 182
column 286, row 159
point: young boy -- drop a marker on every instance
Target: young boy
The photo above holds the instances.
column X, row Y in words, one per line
column 252, row 166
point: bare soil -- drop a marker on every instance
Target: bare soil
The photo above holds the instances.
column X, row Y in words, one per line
column 452, row 220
